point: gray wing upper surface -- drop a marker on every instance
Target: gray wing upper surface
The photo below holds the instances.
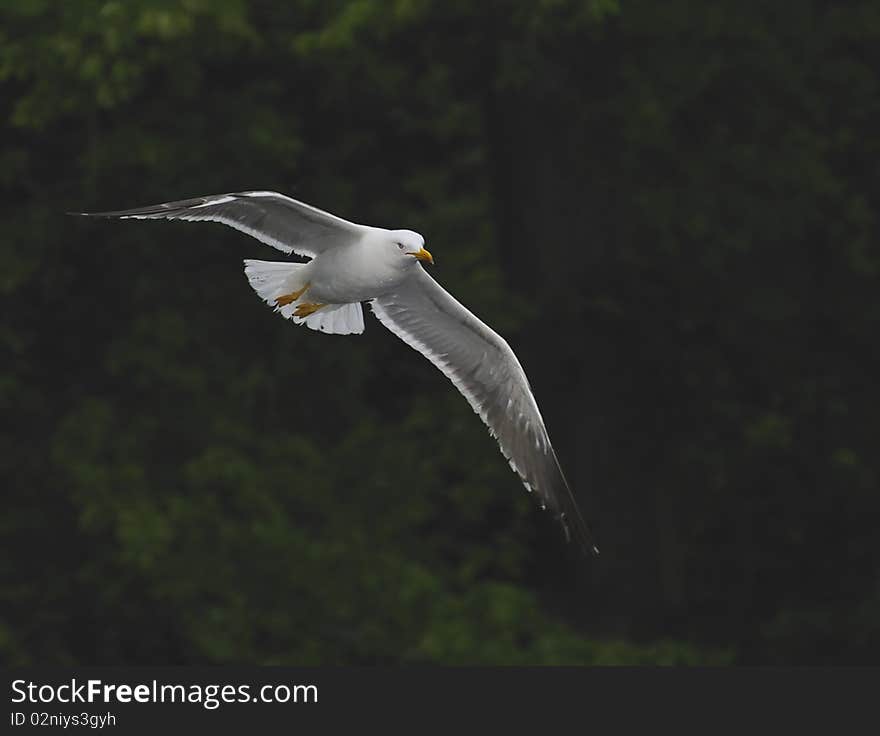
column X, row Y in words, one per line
column 272, row 218
column 485, row 370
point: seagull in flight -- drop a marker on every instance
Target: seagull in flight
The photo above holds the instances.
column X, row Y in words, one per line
column 349, row 264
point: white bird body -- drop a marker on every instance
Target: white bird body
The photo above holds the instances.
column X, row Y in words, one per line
column 361, row 271
column 350, row 264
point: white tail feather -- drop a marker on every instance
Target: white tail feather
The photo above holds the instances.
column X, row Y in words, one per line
column 336, row 319
column 272, row 279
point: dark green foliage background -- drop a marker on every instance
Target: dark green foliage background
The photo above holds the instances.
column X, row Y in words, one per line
column 670, row 209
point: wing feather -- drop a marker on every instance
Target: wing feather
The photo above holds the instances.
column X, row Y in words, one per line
column 287, row 224
column 485, row 370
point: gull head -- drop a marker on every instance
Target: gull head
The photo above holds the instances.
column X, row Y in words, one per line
column 411, row 245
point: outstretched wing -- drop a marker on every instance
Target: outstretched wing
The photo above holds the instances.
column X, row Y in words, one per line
column 270, row 217
column 484, row 368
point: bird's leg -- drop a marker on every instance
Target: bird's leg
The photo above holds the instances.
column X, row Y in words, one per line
column 305, row 309
column 285, row 299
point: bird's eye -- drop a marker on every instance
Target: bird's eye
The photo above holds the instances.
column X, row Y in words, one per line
column 400, row 245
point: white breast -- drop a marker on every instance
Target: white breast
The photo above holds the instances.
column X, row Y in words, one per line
column 357, row 272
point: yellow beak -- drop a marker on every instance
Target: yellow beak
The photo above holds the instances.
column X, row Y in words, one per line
column 423, row 255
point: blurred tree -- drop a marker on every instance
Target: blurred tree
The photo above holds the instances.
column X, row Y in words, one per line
column 670, row 210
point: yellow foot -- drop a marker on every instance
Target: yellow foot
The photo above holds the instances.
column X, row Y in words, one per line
column 306, row 308
column 285, row 299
